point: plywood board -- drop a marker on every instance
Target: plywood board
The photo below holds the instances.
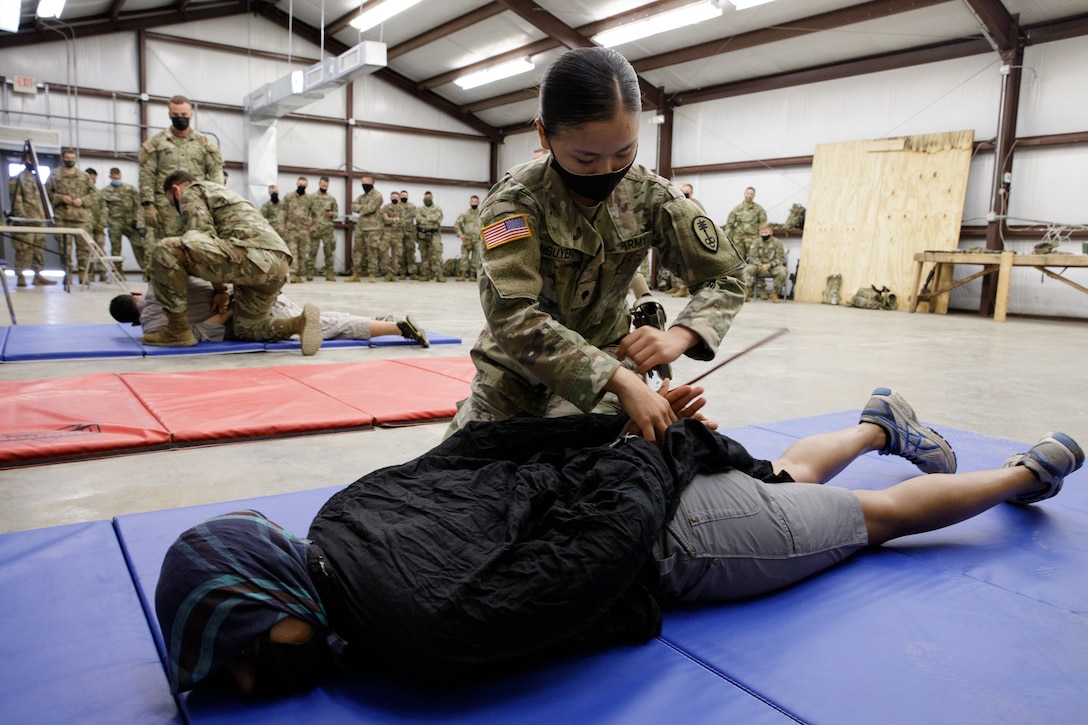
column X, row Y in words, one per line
column 874, row 204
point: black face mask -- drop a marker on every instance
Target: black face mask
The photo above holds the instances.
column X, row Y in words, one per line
column 474, row 206
column 764, row 237
column 687, row 195
column 180, row 122
column 275, row 197
column 29, row 167
column 595, row 187
column 300, row 190
column 323, row 191
column 395, row 201
column 367, row 188
column 281, row 669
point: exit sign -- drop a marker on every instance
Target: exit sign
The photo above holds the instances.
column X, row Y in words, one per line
column 24, row 84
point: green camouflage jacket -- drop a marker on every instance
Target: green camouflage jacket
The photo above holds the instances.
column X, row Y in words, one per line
column 324, row 203
column 26, row 202
column 165, row 153
column 468, row 225
column 554, row 284
column 297, row 212
column 217, row 211
column 77, row 185
column 428, row 218
column 271, row 212
column 770, row 252
column 745, row 221
column 368, row 206
column 123, row 203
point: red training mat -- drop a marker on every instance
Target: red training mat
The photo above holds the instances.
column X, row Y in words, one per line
column 391, row 391
column 68, row 418
column 458, row 368
column 219, row 405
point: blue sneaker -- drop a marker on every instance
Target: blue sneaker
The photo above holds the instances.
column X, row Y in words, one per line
column 919, row 444
column 1051, row 460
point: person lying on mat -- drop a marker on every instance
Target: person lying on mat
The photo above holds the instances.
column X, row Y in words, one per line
column 563, row 238
column 211, row 326
column 226, row 241
column 516, row 541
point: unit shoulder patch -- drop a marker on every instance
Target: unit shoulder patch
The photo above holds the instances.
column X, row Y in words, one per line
column 506, row 230
column 706, row 231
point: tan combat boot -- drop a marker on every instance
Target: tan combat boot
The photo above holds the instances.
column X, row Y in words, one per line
column 440, row 278
column 390, row 277
column 355, row 277
column 307, row 326
column 310, row 276
column 175, row 334
column 40, row 280
column 330, row 276
column 372, row 279
column 774, row 295
column 22, row 279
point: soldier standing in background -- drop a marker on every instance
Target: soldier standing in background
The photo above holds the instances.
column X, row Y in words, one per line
column 467, row 227
column 126, row 217
column 26, row 203
column 297, row 220
column 74, row 200
column 325, row 210
column 101, row 219
column 368, row 229
column 411, row 267
column 388, row 260
column 745, row 221
column 271, row 209
column 178, row 147
column 429, row 234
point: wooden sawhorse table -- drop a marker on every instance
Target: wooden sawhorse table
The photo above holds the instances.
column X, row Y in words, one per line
column 1000, row 262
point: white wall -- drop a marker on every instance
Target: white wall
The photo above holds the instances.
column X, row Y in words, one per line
column 1048, row 184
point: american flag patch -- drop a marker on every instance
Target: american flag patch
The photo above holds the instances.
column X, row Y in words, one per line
column 505, row 231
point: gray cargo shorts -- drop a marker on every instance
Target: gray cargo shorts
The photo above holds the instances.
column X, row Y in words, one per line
column 735, row 536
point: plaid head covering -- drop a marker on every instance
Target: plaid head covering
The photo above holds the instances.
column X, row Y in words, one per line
column 222, row 584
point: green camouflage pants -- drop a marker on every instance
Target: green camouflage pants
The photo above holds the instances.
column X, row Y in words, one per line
column 409, row 252
column 469, row 251
column 360, row 249
column 777, row 270
column 117, row 234
column 29, row 252
column 258, row 275
column 323, row 239
column 430, row 253
column 298, row 241
column 389, row 256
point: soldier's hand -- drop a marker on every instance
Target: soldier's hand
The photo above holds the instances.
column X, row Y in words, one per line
column 77, row 202
column 151, row 215
column 650, row 413
column 649, row 347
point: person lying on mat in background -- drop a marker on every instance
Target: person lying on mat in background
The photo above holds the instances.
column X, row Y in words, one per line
column 226, row 241
column 516, row 541
column 211, row 326
column 562, row 239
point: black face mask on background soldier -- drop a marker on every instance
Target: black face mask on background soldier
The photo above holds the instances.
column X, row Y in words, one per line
column 367, row 188
column 180, row 122
column 275, row 196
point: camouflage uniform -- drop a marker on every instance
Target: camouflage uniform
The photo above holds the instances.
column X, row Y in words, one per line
column 226, row 241
column 323, row 234
column 429, row 235
column 388, row 259
column 772, row 254
column 26, row 202
column 298, row 218
column 77, row 185
column 468, row 226
column 744, row 223
column 408, row 253
column 165, row 153
column 271, row 212
column 126, row 219
column 556, row 301
column 368, row 229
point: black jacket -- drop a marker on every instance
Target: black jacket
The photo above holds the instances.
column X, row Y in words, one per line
column 506, row 544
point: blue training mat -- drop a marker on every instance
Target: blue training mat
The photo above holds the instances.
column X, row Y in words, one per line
column 67, row 342
column 74, row 643
column 650, row 683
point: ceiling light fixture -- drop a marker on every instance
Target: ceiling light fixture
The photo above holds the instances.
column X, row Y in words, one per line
column 670, row 20
column 745, row 4
column 50, row 8
column 495, row 73
column 378, row 14
column 9, row 15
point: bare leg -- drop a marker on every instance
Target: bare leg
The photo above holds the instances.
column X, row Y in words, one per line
column 818, row 458
column 937, row 500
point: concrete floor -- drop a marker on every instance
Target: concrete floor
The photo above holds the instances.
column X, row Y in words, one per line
column 1018, row 380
